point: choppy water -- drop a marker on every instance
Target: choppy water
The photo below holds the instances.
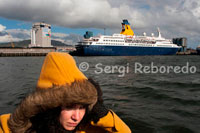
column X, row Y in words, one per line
column 163, row 102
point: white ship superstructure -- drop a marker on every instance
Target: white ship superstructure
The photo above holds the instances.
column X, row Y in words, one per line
column 124, row 40
column 126, row 44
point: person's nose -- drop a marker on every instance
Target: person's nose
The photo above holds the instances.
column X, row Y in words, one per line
column 76, row 115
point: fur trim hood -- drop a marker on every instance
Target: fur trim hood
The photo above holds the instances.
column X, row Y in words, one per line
column 52, row 93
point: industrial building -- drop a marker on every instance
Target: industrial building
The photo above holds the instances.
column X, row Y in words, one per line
column 181, row 42
column 41, row 35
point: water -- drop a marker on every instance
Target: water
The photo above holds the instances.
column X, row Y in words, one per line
column 163, row 102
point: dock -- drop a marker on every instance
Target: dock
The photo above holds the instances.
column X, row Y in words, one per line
column 34, row 51
column 188, row 52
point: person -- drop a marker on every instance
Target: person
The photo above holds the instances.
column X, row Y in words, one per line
column 64, row 101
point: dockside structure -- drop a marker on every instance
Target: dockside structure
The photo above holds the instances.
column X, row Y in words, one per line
column 41, row 35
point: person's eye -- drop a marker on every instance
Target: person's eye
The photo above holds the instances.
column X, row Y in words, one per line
column 82, row 107
column 67, row 108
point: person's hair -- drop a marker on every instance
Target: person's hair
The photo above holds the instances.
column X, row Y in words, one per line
column 45, row 122
column 48, row 122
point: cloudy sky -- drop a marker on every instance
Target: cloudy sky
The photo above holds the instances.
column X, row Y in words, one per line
column 175, row 18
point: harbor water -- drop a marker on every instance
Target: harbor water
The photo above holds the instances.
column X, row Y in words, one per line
column 152, row 94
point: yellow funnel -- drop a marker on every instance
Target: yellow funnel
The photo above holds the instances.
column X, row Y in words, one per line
column 126, row 28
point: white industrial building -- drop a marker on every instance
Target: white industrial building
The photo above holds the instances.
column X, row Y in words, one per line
column 41, row 35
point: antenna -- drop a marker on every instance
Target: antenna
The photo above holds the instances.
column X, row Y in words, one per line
column 104, row 29
column 78, row 39
column 159, row 34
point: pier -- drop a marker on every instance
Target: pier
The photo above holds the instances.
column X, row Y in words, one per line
column 35, row 51
column 187, row 52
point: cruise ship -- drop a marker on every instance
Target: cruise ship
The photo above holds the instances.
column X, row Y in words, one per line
column 125, row 44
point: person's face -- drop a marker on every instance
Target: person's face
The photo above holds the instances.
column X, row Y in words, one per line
column 71, row 116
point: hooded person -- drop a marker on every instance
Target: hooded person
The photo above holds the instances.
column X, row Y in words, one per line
column 65, row 101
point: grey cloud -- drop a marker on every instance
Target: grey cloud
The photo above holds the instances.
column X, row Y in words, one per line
column 71, row 39
column 19, row 33
column 2, row 28
column 180, row 17
column 3, row 33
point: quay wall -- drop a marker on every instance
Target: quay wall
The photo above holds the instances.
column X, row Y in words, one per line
column 37, row 51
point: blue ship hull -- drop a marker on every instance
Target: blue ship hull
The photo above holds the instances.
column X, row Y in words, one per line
column 97, row 50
